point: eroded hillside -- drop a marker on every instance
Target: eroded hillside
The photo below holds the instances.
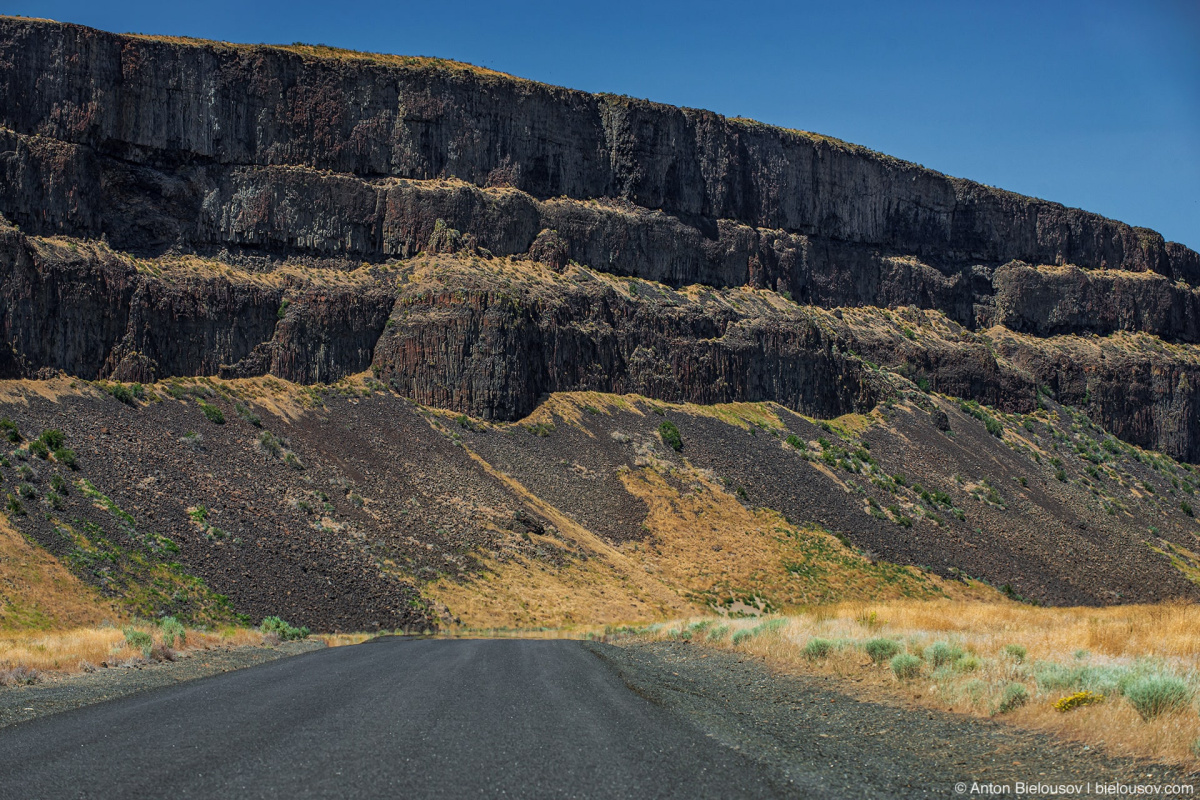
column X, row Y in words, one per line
column 352, row 507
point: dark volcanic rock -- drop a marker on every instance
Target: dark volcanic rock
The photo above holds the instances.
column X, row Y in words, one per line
column 264, row 157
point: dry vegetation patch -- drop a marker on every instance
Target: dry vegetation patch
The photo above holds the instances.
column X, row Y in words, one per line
column 1125, row 678
column 26, row 656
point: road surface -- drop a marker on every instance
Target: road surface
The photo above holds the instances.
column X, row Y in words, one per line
column 394, row 718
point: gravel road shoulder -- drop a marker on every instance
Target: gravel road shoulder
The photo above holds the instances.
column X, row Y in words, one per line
column 821, row 739
column 61, row 693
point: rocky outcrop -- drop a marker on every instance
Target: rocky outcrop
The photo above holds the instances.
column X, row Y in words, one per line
column 494, row 353
column 189, row 111
column 195, row 208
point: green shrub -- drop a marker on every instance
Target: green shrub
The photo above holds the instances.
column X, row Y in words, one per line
column 27, row 490
column 1157, row 694
column 125, row 394
column 941, row 653
column 1016, row 651
column 1014, row 696
column 172, row 630
column 796, row 442
column 270, row 444
column 881, row 650
column 718, row 633
column 1061, row 475
column 10, row 430
column 817, row 648
column 52, row 438
column 14, row 506
column 1186, row 508
column 139, row 639
column 906, row 666
column 283, row 306
column 282, row 629
column 66, row 457
column 39, row 449
column 670, row 435
column 212, row 413
column 245, row 413
column 994, row 427
column 742, row 635
column 967, row 664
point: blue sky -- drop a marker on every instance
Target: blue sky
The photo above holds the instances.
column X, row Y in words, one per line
column 1093, row 104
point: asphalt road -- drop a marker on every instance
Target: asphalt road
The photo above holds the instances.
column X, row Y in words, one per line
column 394, row 718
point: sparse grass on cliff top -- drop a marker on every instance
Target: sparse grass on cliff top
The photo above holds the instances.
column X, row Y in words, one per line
column 997, row 659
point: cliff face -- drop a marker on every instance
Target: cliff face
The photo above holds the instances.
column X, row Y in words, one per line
column 300, row 182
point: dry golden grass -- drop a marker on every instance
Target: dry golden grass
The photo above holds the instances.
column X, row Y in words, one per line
column 38, row 592
column 706, row 545
column 704, row 549
column 77, row 649
column 522, row 592
column 1066, row 649
column 344, row 639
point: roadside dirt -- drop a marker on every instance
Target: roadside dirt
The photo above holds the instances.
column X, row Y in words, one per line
column 61, row 693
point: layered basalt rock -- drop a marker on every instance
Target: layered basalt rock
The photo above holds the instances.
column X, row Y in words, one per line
column 305, row 180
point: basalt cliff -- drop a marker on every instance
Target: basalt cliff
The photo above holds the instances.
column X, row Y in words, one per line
column 475, row 243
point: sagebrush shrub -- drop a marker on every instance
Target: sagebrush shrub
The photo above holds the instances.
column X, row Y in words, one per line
column 1014, row 696
column 282, row 629
column 881, row 650
column 906, row 666
column 940, row 653
column 1157, row 694
column 172, row 631
column 817, row 648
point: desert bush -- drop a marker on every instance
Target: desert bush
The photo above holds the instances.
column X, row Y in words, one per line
column 53, row 438
column 172, row 631
column 743, row 635
column 19, row 676
column 58, row 483
column 1152, row 695
column 1016, row 651
column 26, row 490
column 817, row 648
column 670, row 435
column 881, row 650
column 905, row 666
column 245, row 413
column 1013, row 697
column 139, row 640
column 796, row 442
column 14, row 506
column 129, row 395
column 160, row 652
column 967, row 664
column 282, row 629
column 66, row 457
column 38, row 448
column 10, row 430
column 212, row 413
column 270, row 444
column 940, row 653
